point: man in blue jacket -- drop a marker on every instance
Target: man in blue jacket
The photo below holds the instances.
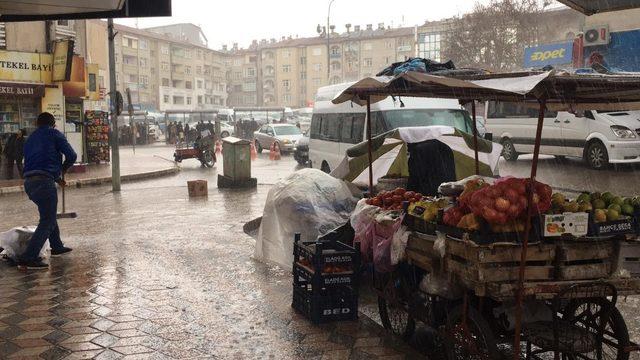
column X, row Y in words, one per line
column 43, row 168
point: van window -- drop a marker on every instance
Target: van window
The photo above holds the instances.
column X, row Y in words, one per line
column 501, row 109
column 330, row 128
column 316, row 125
column 458, row 119
column 352, row 128
column 377, row 125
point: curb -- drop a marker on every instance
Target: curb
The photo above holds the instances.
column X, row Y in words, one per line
column 101, row 181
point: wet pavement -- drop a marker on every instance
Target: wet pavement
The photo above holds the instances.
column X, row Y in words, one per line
column 157, row 275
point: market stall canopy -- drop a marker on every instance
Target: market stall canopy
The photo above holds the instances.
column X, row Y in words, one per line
column 561, row 90
column 390, row 159
column 590, row 7
column 38, row 10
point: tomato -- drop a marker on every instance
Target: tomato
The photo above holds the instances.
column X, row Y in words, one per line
column 493, row 192
column 397, row 199
column 502, row 204
column 489, row 214
column 399, row 191
column 519, row 187
column 512, row 195
column 376, row 201
column 409, row 195
column 514, row 210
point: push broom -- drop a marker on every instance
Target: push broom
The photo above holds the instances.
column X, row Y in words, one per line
column 64, row 214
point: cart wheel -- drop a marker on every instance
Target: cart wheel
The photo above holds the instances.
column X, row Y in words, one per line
column 470, row 338
column 393, row 306
column 208, row 159
column 583, row 312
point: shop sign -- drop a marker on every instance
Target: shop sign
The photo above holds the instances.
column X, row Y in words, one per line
column 76, row 86
column 92, row 89
column 23, row 66
column 62, row 59
column 53, row 102
column 26, row 90
column 550, row 54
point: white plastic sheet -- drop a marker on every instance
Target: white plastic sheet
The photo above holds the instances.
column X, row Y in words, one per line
column 308, row 202
column 15, row 242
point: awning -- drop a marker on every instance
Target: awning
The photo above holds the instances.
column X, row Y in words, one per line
column 38, row 10
column 561, row 90
column 590, row 7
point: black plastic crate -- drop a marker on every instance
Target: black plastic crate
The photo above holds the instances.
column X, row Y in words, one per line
column 611, row 228
column 485, row 236
column 338, row 304
column 327, row 252
column 419, row 224
column 323, row 279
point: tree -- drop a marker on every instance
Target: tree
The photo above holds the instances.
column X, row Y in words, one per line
column 494, row 36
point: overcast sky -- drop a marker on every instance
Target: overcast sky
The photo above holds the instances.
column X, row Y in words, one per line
column 228, row 21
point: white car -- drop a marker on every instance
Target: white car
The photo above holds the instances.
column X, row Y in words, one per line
column 598, row 137
column 286, row 135
column 226, row 129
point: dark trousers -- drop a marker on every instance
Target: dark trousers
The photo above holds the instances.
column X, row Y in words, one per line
column 10, row 162
column 42, row 191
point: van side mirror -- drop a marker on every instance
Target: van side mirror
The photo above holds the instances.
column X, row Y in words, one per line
column 488, row 136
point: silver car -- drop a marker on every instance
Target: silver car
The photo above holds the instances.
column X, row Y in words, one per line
column 286, row 135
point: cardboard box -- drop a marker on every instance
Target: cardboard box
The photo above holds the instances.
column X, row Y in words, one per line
column 198, row 188
column 576, row 224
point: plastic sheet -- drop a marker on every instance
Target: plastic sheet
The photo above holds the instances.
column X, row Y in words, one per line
column 15, row 242
column 308, row 202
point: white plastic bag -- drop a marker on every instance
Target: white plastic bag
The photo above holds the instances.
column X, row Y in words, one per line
column 308, row 202
column 399, row 245
column 15, row 242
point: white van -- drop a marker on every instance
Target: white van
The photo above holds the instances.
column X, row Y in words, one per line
column 336, row 128
column 226, row 115
column 599, row 137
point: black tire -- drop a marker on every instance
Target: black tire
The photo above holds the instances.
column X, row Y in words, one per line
column 325, row 167
column 208, row 159
column 596, row 155
column 616, row 335
column 394, row 306
column 258, row 147
column 477, row 342
column 224, row 134
column 509, row 151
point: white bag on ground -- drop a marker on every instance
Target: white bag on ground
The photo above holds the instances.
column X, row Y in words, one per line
column 308, row 202
column 15, row 242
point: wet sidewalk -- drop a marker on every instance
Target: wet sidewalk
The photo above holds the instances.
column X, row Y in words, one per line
column 143, row 164
column 156, row 275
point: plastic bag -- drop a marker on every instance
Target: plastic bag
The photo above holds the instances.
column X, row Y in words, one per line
column 399, row 245
column 15, row 242
column 440, row 244
column 439, row 285
column 308, row 202
column 363, row 223
column 384, row 229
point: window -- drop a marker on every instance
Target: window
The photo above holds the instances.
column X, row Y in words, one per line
column 187, row 53
column 237, row 75
column 251, row 72
column 317, row 51
column 188, row 101
column 237, row 62
column 269, row 70
column 144, row 44
column 303, row 60
column 250, row 86
column 335, row 51
column 393, row 119
column 335, row 66
column 500, row 109
column 187, row 70
column 178, row 100
column 175, row 83
column 317, row 67
column 428, row 46
column 286, row 54
column 63, row 22
column 368, row 62
column 166, row 99
column 286, row 68
column 199, row 70
column 188, row 85
column 352, row 128
column 286, row 84
column 286, row 98
column 128, row 60
column 132, row 78
column 367, row 46
column 199, row 99
column 388, row 44
column 143, row 63
column 237, row 88
column 303, row 75
column 199, row 84
column 130, row 42
column 165, row 82
column 144, row 80
column 164, row 50
column 164, row 66
column 330, row 127
column 199, row 53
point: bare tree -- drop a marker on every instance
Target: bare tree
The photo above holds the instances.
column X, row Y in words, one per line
column 493, row 36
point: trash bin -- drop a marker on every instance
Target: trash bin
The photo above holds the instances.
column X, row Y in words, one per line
column 237, row 164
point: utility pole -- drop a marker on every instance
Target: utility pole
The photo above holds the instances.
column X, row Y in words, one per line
column 329, row 43
column 115, row 151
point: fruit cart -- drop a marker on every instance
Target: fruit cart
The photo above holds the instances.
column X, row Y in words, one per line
column 202, row 149
column 487, row 292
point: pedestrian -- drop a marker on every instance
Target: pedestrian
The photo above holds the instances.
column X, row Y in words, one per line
column 254, row 126
column 180, row 132
column 14, row 152
column 186, row 131
column 209, row 126
column 42, row 169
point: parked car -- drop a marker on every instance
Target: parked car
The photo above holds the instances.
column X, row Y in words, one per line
column 301, row 154
column 226, row 129
column 286, row 135
column 598, row 137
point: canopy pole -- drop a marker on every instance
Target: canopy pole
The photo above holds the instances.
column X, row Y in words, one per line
column 525, row 240
column 475, row 136
column 371, row 189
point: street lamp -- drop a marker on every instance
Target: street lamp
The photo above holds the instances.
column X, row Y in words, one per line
column 329, row 41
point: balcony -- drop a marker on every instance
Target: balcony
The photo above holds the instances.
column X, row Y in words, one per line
column 336, row 56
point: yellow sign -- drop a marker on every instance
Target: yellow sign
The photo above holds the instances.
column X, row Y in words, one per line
column 23, row 66
column 91, row 82
column 62, row 54
column 53, row 102
column 545, row 55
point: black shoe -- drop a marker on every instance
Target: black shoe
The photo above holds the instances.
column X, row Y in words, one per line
column 61, row 251
column 33, row 265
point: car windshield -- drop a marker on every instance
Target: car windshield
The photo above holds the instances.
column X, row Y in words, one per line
column 459, row 119
column 287, row 130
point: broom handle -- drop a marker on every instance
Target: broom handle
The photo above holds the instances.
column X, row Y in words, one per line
column 63, row 197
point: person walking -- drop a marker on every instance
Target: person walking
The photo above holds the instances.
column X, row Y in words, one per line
column 186, row 132
column 14, row 152
column 44, row 168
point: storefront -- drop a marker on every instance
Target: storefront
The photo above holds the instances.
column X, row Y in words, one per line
column 557, row 55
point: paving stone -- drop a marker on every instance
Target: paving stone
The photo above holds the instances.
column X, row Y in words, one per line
column 55, row 353
column 131, row 350
column 108, row 355
column 8, row 348
column 11, row 332
column 80, row 338
column 29, row 343
column 56, row 336
column 103, row 324
column 81, row 346
column 106, row 340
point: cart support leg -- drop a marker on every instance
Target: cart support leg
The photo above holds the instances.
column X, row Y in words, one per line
column 370, row 151
column 475, row 136
column 525, row 241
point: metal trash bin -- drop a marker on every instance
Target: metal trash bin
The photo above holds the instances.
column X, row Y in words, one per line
column 237, row 164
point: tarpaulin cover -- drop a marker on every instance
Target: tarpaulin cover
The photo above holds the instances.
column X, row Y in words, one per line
column 308, row 202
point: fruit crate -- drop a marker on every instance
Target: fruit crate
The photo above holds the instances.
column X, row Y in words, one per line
column 319, row 254
column 323, row 279
column 485, row 236
column 629, row 258
column 340, row 303
column 419, row 224
column 610, row 228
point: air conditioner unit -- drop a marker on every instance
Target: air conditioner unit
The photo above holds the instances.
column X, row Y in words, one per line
column 596, row 35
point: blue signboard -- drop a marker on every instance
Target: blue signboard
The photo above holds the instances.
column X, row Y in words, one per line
column 550, row 54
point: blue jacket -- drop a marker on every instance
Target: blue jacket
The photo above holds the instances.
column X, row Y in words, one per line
column 43, row 153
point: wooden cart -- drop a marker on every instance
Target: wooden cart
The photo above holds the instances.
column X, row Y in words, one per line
column 485, row 278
